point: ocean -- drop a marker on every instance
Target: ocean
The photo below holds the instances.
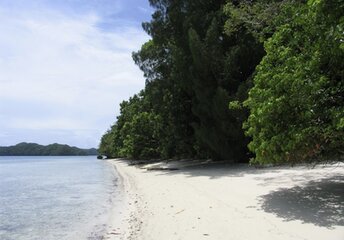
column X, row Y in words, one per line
column 56, row 198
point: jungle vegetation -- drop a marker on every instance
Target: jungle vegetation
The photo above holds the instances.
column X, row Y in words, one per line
column 258, row 81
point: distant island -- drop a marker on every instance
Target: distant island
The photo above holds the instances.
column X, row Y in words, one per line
column 34, row 149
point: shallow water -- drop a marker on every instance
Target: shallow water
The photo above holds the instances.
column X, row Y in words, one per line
column 55, row 198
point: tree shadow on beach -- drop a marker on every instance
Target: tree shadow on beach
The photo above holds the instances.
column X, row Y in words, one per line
column 219, row 169
column 213, row 170
column 318, row 202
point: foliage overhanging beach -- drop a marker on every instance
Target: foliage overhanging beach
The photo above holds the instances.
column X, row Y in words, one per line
column 237, row 80
column 229, row 83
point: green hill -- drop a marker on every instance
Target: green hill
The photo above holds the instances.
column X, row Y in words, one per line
column 34, row 149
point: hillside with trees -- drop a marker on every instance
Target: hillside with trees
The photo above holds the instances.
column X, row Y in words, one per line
column 34, row 149
column 258, row 81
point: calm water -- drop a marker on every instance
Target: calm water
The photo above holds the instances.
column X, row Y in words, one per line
column 55, row 198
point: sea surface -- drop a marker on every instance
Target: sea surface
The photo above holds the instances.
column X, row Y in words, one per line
column 55, row 198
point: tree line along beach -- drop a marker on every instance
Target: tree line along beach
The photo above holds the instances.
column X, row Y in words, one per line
column 237, row 131
column 256, row 88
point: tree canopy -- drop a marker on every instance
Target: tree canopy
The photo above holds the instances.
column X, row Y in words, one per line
column 278, row 65
column 296, row 104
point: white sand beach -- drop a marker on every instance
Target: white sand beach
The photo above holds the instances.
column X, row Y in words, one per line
column 222, row 201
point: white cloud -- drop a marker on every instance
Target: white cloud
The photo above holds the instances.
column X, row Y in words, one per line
column 48, row 124
column 80, row 71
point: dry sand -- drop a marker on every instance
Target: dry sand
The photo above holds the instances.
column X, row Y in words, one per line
column 221, row 201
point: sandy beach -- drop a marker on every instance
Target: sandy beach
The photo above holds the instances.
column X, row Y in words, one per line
column 189, row 200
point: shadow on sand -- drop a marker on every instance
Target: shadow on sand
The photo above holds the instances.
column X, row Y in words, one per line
column 318, row 202
column 213, row 170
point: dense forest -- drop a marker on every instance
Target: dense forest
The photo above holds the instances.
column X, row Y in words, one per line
column 258, row 81
column 34, row 149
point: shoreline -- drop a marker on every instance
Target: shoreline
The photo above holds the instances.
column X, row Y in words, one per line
column 123, row 223
column 188, row 200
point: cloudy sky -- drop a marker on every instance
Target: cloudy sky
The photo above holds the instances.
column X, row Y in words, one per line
column 65, row 65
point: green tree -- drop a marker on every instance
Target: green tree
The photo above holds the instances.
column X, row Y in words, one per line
column 141, row 137
column 164, row 90
column 296, row 104
column 198, row 53
column 107, row 146
column 202, row 55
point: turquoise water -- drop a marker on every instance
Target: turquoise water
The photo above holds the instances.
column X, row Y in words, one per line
column 55, row 198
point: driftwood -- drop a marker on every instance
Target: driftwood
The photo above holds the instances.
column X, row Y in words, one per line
column 162, row 169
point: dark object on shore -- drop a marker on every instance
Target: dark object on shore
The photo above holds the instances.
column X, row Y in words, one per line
column 100, row 157
column 162, row 169
column 135, row 163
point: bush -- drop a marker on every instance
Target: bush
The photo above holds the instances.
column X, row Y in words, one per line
column 296, row 104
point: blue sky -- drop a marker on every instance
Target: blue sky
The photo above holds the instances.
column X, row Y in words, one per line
column 65, row 65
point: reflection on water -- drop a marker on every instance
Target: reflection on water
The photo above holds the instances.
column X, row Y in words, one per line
column 67, row 198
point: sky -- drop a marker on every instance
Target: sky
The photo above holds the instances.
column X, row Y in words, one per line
column 65, row 65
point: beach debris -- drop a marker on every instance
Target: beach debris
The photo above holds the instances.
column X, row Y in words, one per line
column 135, row 163
column 180, row 211
column 162, row 169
